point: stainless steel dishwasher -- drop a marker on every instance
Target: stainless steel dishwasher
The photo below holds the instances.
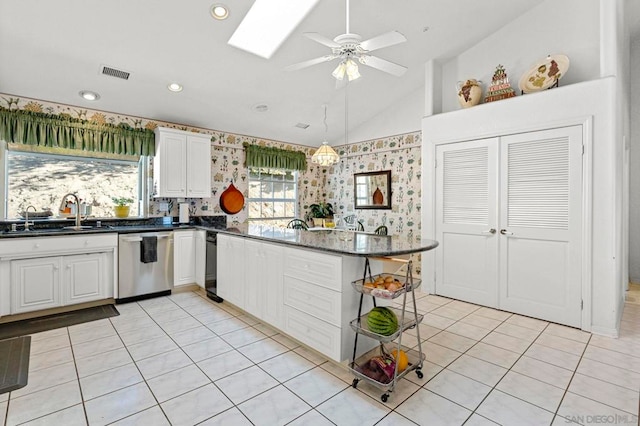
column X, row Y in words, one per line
column 139, row 280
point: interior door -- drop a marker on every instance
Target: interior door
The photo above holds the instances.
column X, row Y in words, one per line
column 541, row 224
column 466, row 221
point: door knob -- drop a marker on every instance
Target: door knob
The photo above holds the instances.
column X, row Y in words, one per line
column 505, row 232
column 489, row 231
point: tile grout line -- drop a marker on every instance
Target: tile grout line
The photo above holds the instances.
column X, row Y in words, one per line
column 555, row 415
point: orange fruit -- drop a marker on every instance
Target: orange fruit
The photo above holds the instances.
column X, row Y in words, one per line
column 402, row 360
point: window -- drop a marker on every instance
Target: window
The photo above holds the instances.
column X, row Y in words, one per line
column 273, row 196
column 40, row 178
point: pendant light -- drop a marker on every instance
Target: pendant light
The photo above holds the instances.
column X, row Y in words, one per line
column 325, row 155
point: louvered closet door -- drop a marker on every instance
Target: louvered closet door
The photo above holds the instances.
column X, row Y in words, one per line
column 540, row 224
column 466, row 222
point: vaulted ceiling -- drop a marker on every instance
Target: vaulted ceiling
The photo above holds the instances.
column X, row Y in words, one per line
column 52, row 50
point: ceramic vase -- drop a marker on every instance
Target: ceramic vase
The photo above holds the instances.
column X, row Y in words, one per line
column 469, row 92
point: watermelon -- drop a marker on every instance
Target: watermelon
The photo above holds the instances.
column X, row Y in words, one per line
column 382, row 321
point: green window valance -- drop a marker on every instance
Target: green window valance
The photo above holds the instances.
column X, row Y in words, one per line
column 274, row 158
column 49, row 130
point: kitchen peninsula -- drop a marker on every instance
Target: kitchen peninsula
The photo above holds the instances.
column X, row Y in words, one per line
column 299, row 281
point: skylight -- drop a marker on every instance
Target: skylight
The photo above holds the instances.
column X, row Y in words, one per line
column 268, row 23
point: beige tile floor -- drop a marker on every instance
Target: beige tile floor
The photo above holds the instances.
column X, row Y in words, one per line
column 183, row 360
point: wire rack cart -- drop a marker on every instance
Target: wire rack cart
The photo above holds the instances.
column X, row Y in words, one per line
column 406, row 320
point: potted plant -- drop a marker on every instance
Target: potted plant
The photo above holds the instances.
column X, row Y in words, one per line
column 121, row 208
column 319, row 212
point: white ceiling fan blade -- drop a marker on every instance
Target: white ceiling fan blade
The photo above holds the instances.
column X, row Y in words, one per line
column 383, row 65
column 309, row 63
column 383, row 40
column 319, row 38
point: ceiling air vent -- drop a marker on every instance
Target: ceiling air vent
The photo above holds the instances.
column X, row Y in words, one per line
column 301, row 125
column 113, row 72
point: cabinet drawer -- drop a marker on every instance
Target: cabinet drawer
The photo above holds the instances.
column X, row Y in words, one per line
column 43, row 246
column 317, row 301
column 323, row 337
column 314, row 267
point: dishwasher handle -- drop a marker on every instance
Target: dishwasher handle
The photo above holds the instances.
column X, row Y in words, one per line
column 139, row 239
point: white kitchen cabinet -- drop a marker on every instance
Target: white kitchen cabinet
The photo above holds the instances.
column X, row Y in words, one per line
column 184, row 257
column 85, row 277
column 201, row 257
column 305, row 293
column 182, row 164
column 263, row 281
column 47, row 272
column 35, row 284
column 232, row 266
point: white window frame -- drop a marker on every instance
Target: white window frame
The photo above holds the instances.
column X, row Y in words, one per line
column 143, row 167
column 261, row 199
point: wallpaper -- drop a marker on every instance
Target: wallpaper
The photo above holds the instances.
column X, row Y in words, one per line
column 400, row 154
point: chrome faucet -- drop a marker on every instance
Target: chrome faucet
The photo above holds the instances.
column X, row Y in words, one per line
column 78, row 217
column 26, row 216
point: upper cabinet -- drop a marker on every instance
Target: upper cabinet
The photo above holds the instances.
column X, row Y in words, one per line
column 182, row 164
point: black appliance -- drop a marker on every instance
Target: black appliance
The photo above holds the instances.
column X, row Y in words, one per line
column 211, row 267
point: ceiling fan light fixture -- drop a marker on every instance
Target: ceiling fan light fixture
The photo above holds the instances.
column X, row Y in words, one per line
column 340, row 71
column 325, row 155
column 352, row 70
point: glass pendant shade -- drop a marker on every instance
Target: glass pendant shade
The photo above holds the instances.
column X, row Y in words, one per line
column 348, row 67
column 325, row 155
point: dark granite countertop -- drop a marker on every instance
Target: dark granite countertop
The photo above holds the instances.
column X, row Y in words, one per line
column 51, row 228
column 335, row 241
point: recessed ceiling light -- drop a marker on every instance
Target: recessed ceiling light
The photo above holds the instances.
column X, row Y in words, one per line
column 219, row 12
column 88, row 95
column 175, row 87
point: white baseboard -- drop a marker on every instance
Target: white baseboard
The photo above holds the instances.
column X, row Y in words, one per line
column 605, row 331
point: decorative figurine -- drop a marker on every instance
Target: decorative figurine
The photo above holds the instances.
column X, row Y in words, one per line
column 500, row 87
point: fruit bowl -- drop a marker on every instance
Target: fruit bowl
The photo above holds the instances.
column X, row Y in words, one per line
column 386, row 286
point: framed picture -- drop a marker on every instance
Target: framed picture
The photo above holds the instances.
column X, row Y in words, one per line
column 372, row 190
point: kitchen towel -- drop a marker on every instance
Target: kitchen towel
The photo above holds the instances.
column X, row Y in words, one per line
column 149, row 249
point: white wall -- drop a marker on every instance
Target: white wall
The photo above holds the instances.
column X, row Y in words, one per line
column 400, row 118
column 569, row 27
column 634, row 178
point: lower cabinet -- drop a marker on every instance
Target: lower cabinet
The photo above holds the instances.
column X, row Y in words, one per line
column 263, row 281
column 47, row 272
column 35, row 284
column 189, row 257
column 184, row 257
column 306, row 294
column 250, row 277
column 43, row 283
column 85, row 276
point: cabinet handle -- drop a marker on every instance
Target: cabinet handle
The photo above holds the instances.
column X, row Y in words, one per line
column 68, row 266
column 86, row 242
column 55, row 268
column 505, row 232
column 36, row 245
column 489, row 231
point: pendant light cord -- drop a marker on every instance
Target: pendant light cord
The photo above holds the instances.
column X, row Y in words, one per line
column 326, row 127
column 346, row 114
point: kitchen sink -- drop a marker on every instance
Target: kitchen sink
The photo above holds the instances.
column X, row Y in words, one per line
column 78, row 228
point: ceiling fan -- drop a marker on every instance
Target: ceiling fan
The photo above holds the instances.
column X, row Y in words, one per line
column 349, row 48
